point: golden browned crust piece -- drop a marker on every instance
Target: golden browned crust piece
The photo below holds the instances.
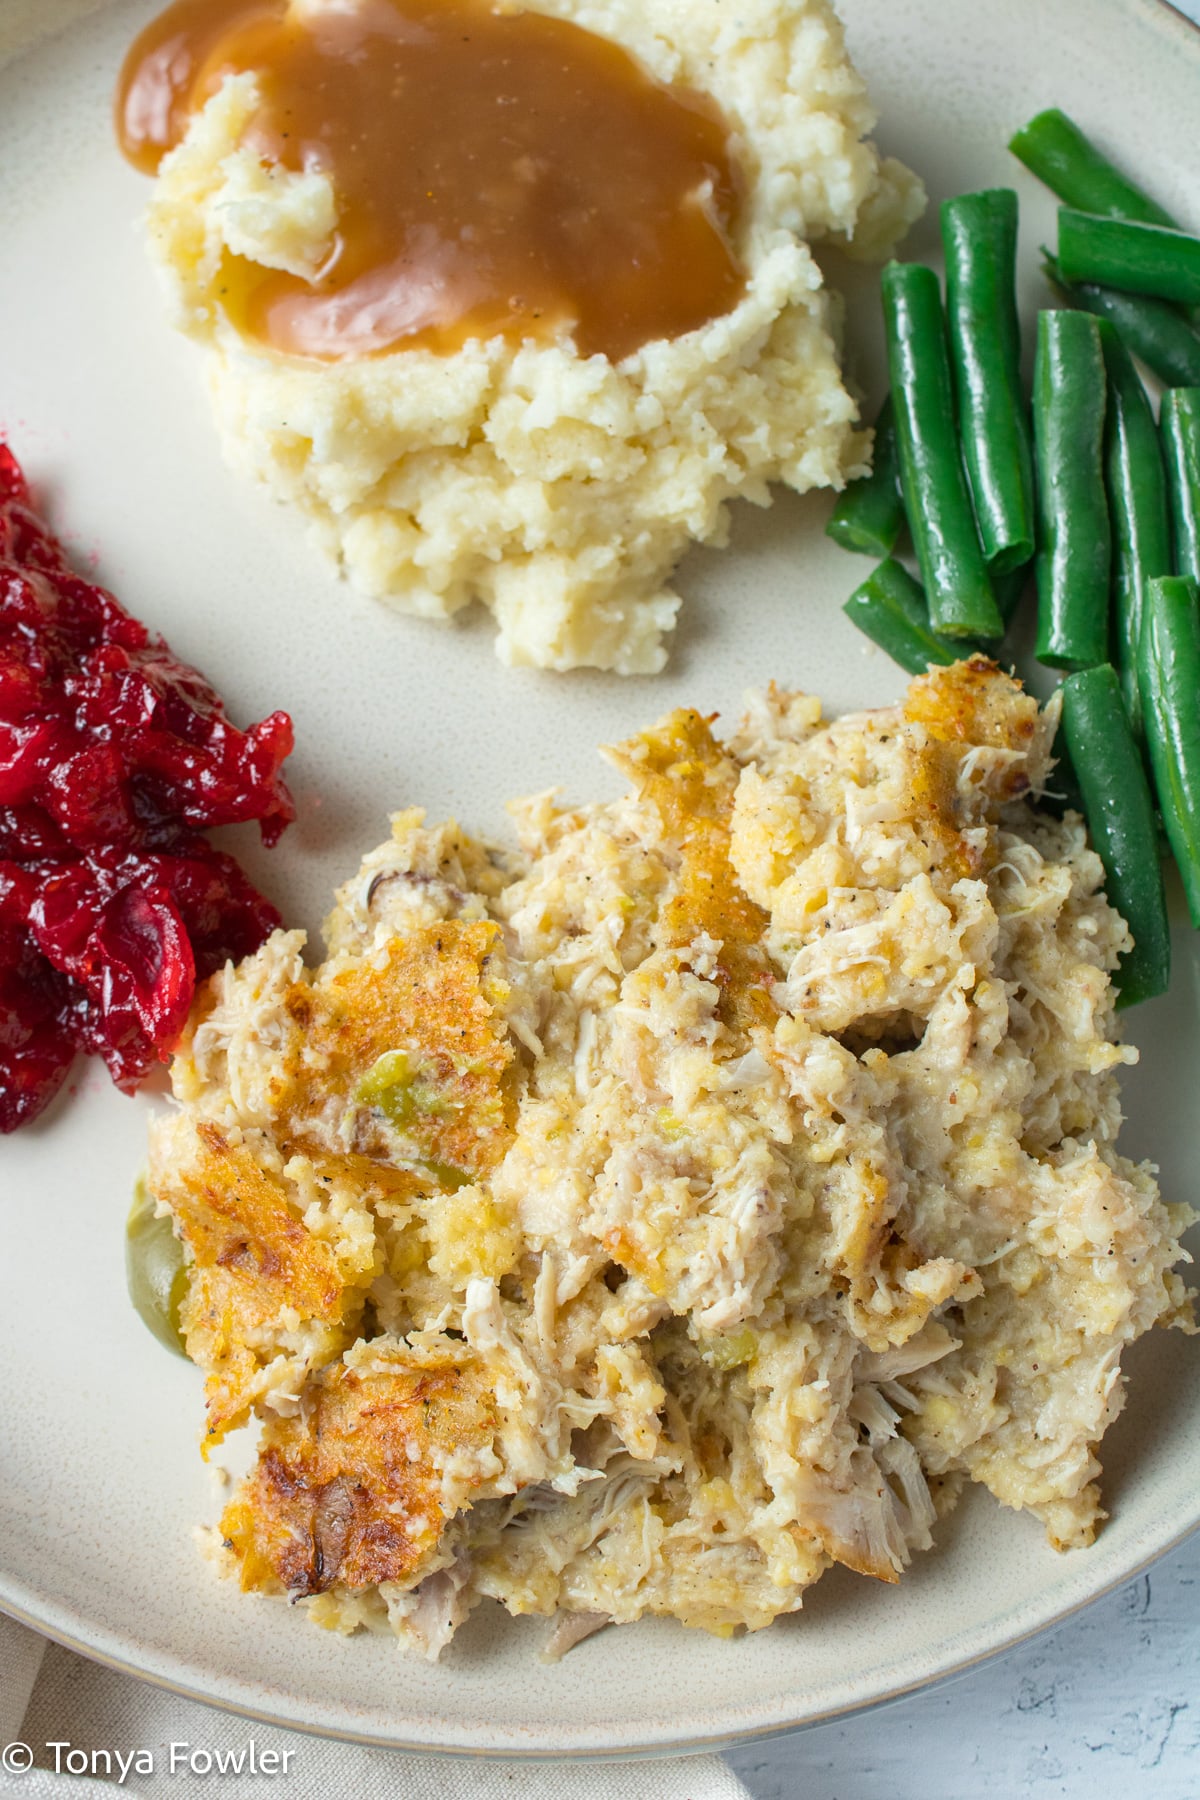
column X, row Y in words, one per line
column 349, row 1493
column 426, row 1003
column 253, row 1261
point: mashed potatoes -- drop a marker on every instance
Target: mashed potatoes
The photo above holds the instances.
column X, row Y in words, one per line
column 559, row 490
column 643, row 1221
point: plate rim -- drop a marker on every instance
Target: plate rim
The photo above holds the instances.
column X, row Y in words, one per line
column 650, row 1749
column 115, row 1650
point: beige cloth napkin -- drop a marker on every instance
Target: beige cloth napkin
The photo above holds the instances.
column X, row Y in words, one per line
column 49, row 1695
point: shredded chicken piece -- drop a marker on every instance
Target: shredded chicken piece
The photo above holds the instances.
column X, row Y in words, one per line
column 645, row 1220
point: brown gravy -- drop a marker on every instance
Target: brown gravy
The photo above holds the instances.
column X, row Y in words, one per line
column 496, row 172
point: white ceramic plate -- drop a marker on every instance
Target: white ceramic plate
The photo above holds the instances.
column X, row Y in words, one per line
column 100, row 1483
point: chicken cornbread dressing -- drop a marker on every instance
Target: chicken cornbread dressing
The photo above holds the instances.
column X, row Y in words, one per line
column 645, row 1219
column 511, row 301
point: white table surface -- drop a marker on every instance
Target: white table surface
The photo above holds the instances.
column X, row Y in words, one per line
column 1108, row 1704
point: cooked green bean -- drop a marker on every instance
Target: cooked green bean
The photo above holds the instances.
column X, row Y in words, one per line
column 1054, row 149
column 1180, row 425
column 869, row 515
column 154, row 1270
column 1125, row 254
column 940, row 518
column 1169, row 673
column 1120, row 815
column 1074, row 542
column 979, row 232
column 890, row 608
column 1137, row 504
column 1154, row 330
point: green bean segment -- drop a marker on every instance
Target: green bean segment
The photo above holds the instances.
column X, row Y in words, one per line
column 1054, row 149
column 890, row 608
column 1180, row 426
column 1125, row 254
column 1169, row 673
column 155, row 1274
column 1074, row 540
column 941, row 521
column 1120, row 814
column 979, row 232
column 1154, row 330
column 869, row 515
column 1137, row 502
